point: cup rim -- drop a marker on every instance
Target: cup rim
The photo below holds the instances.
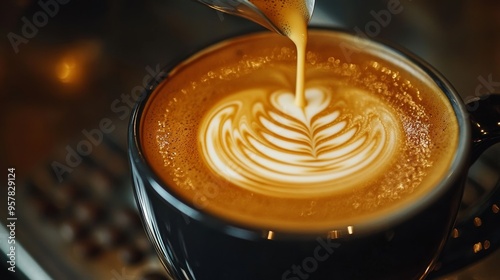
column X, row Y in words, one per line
column 453, row 174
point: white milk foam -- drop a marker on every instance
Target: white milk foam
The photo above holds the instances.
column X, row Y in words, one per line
column 261, row 141
column 375, row 137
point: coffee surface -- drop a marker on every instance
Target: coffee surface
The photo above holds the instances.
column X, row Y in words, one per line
column 223, row 132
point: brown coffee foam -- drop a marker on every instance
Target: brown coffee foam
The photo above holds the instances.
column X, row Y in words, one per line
column 170, row 127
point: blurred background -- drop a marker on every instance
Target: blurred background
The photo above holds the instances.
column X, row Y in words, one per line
column 70, row 71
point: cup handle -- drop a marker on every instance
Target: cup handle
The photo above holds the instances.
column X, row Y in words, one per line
column 477, row 233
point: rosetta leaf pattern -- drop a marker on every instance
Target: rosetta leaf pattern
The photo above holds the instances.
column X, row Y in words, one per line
column 273, row 147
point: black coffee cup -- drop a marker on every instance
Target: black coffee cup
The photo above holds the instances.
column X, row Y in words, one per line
column 420, row 240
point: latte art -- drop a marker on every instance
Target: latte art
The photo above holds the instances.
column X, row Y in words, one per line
column 223, row 132
column 263, row 142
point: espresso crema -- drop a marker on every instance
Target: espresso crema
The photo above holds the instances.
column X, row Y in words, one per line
column 260, row 140
column 225, row 135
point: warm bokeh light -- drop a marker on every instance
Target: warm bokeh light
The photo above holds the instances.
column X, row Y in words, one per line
column 350, row 229
column 334, row 234
column 478, row 247
column 74, row 67
column 67, row 71
column 270, row 235
column 495, row 209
